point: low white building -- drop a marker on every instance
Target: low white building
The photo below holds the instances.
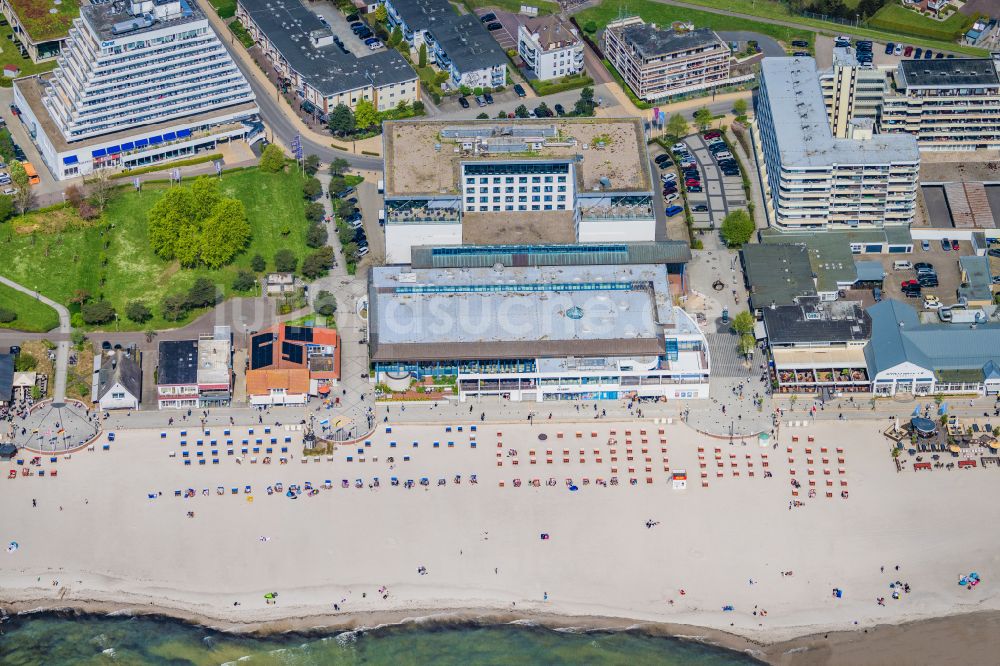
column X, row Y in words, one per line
column 117, row 381
column 551, row 47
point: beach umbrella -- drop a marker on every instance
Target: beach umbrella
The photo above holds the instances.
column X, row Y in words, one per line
column 12, row 547
column 954, row 448
column 943, row 408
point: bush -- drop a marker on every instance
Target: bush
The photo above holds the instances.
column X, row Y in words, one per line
column 25, row 362
column 312, row 188
column 326, row 303
column 99, row 312
column 138, row 312
column 318, row 262
column 258, row 264
column 202, row 293
column 272, row 160
column 316, row 236
column 315, row 211
column 244, row 281
column 737, row 228
column 285, row 261
column 7, row 316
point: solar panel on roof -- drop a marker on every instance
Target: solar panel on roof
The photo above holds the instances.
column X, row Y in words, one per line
column 299, row 333
column 261, row 351
column 291, row 352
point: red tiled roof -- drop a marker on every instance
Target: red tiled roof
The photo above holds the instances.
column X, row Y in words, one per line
column 260, row 382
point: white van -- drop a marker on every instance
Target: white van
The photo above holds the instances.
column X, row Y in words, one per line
column 901, row 265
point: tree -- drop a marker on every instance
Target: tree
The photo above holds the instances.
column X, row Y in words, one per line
column 381, row 14
column 483, row 116
column 103, row 189
column 19, row 177
column 6, row 145
column 173, row 211
column 272, row 160
column 746, row 344
column 80, row 296
column 7, row 316
column 418, row 108
column 316, row 236
column 187, row 249
column 25, row 362
column 312, row 188
column 174, row 307
column 677, row 127
column 395, row 37
column 204, row 196
column 585, row 105
column 258, row 264
column 138, row 312
column 337, row 184
column 341, row 122
column 422, row 56
column 315, row 211
column 703, row 118
column 737, row 228
column 317, row 263
column 244, row 281
column 742, row 323
column 225, row 233
column 325, row 304
column 285, row 261
column 338, row 166
column 365, row 114
column 99, row 312
column 344, row 208
column 543, row 111
column 201, row 293
column 521, row 111
column 311, row 164
column 351, row 251
column 740, row 107
column 6, row 207
column 78, row 338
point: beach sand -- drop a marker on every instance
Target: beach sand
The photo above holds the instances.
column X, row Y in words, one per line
column 111, row 547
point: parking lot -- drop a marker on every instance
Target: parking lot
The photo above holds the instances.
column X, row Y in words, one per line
column 721, row 193
column 342, row 29
column 506, row 36
column 945, row 265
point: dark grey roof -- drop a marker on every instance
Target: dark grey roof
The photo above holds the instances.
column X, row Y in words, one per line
column 289, row 25
column 898, row 336
column 483, row 256
column 424, row 14
column 6, row 377
column 120, row 368
column 651, row 42
column 468, row 44
column 104, row 17
column 777, row 274
column 836, row 322
column 178, row 362
column 472, row 351
column 950, row 72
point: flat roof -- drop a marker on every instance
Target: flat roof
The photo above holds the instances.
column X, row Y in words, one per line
column 777, row 274
column 177, row 362
column 32, row 90
column 289, row 26
column 524, row 312
column 538, row 226
column 420, row 161
column 104, row 17
column 827, row 322
column 42, row 25
column 484, row 256
column 948, row 73
column 651, row 42
column 802, row 125
column 213, row 361
column 980, row 285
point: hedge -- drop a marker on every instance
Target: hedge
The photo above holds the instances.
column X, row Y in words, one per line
column 169, row 165
column 543, row 88
column 898, row 19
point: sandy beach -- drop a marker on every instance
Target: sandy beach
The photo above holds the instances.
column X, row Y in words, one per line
column 97, row 541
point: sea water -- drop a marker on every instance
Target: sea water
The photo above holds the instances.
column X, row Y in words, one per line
column 53, row 639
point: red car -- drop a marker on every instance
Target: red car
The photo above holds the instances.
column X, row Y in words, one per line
column 908, row 51
column 909, row 284
column 712, row 135
column 692, row 181
column 954, row 245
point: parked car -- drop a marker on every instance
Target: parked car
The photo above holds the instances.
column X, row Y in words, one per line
column 667, row 191
column 889, row 48
column 673, row 210
column 714, row 134
column 908, row 51
column 663, row 165
column 925, row 245
column 357, row 25
column 669, row 178
column 660, row 159
column 954, row 245
column 519, row 90
column 917, row 53
column 670, row 198
column 494, row 26
column 487, row 18
column 676, row 147
column 800, row 43
column 945, row 244
column 560, row 110
column 351, row 18
column 923, row 266
column 694, row 188
column 463, row 101
column 898, row 50
column 362, row 251
column 488, row 97
column 928, row 54
column 700, row 208
column 480, row 100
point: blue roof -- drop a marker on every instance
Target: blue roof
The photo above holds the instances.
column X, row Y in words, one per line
column 155, row 139
column 139, row 143
column 128, row 146
column 70, row 159
column 114, row 149
column 100, row 152
column 899, row 337
column 169, row 136
column 183, row 133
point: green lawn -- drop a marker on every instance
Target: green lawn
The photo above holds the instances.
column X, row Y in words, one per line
column 897, row 18
column 57, row 253
column 32, row 314
column 772, row 9
column 9, row 55
column 514, row 6
column 224, row 8
column 595, row 18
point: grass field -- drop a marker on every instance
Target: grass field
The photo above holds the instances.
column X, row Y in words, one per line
column 57, row 253
column 514, row 6
column 770, row 9
column 9, row 55
column 224, row 8
column 32, row 315
column 653, row 12
column 896, row 18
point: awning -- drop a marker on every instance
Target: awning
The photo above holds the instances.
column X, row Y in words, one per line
column 139, row 143
column 70, row 159
column 114, row 150
column 128, row 146
column 324, row 389
column 181, row 134
column 100, row 152
column 155, row 139
column 170, row 136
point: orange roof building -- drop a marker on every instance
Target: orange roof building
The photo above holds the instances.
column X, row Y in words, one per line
column 310, row 348
column 279, row 386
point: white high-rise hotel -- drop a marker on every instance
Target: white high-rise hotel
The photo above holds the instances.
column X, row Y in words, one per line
column 138, row 82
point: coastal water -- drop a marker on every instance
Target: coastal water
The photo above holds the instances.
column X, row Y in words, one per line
column 57, row 640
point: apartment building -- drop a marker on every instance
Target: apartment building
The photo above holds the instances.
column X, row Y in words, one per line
column 137, row 83
column 304, row 53
column 817, row 181
column 947, row 104
column 195, row 373
column 38, row 30
column 657, row 63
column 852, row 91
column 557, row 180
column 552, row 48
column 459, row 45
